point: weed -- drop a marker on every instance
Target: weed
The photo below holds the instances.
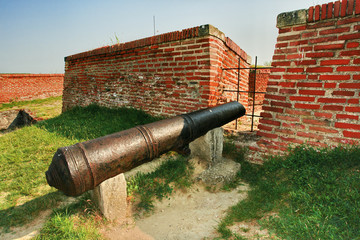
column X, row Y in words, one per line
column 229, row 148
column 115, row 40
column 232, row 151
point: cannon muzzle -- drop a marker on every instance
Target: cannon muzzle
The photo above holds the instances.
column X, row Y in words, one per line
column 81, row 167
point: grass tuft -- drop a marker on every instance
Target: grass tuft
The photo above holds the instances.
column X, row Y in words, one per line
column 78, row 220
column 315, row 193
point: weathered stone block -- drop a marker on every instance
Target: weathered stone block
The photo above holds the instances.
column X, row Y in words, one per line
column 110, row 196
column 220, row 173
column 291, row 18
column 209, row 147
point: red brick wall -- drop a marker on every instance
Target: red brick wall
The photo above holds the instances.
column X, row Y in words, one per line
column 313, row 91
column 21, row 87
column 262, row 78
column 222, row 58
column 167, row 74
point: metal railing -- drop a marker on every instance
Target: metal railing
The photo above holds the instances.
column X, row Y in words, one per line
column 254, row 92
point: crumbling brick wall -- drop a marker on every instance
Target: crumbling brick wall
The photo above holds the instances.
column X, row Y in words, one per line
column 166, row 74
column 21, row 87
column 313, row 90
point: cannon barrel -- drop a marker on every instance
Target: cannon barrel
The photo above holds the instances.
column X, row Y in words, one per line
column 81, row 167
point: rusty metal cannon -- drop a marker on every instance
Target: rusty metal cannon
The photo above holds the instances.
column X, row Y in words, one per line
column 81, row 167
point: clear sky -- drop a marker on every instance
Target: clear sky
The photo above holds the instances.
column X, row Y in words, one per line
column 36, row 35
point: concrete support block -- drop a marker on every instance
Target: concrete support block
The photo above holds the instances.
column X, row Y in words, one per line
column 110, row 196
column 209, row 147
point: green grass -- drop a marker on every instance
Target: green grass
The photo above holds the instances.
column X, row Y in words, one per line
column 42, row 108
column 315, row 193
column 94, row 121
column 26, row 153
column 175, row 173
column 78, row 220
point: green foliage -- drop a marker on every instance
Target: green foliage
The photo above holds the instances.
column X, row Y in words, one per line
column 267, row 63
column 75, row 221
column 314, row 191
column 159, row 184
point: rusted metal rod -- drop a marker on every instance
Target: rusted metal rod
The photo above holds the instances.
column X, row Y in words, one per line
column 81, row 167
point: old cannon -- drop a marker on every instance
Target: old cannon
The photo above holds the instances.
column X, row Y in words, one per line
column 83, row 166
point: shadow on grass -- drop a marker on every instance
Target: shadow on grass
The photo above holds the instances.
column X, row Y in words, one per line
column 84, row 123
column 27, row 212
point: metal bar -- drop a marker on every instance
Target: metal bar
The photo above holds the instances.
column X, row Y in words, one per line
column 238, row 89
column 253, row 108
column 254, row 92
column 227, row 90
column 245, row 68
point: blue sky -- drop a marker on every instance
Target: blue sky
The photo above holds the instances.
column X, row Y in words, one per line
column 36, row 35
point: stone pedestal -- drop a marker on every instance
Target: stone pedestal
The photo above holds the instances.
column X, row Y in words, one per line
column 110, row 196
column 209, row 147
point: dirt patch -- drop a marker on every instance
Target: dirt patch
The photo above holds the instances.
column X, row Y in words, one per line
column 251, row 230
column 29, row 230
column 193, row 214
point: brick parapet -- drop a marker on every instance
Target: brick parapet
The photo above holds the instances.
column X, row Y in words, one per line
column 327, row 11
column 190, row 33
column 178, row 74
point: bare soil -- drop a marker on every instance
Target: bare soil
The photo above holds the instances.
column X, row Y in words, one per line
column 193, row 214
column 28, row 231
